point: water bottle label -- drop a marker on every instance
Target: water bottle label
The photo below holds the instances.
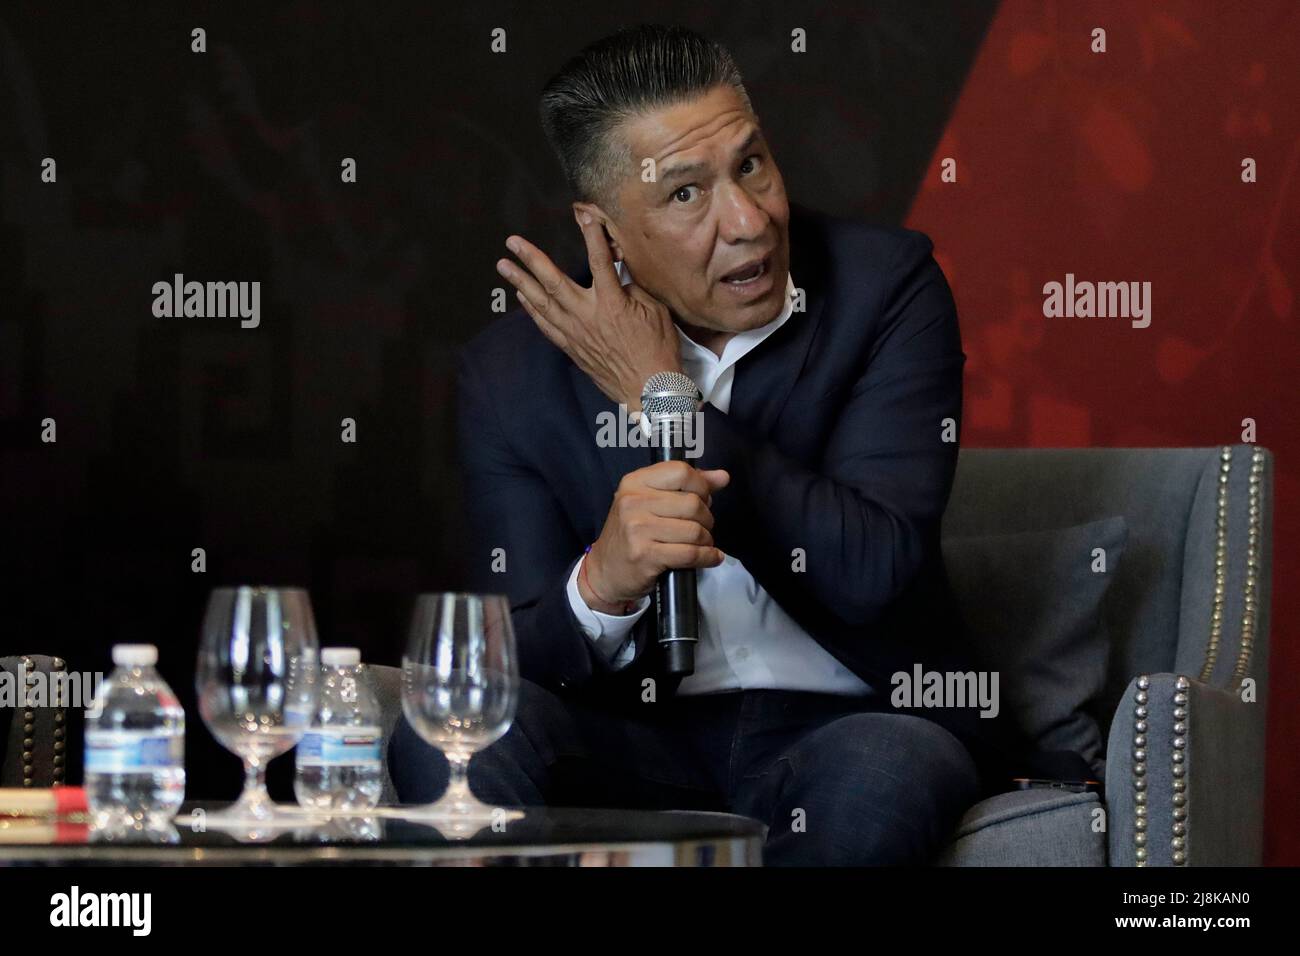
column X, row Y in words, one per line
column 340, row 747
column 132, row 751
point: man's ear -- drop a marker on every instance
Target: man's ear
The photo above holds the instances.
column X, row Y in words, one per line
column 599, row 215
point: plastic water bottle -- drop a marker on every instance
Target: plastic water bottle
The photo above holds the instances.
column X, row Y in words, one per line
column 337, row 762
column 135, row 744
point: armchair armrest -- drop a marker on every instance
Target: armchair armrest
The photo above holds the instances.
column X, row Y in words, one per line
column 1185, row 775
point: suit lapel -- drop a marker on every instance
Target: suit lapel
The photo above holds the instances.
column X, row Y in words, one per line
column 766, row 376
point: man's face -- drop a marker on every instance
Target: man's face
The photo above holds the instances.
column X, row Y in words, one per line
column 718, row 203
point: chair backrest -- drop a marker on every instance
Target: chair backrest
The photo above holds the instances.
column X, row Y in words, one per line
column 1159, row 609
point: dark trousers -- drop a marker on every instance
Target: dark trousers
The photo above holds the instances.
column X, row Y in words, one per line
column 838, row 780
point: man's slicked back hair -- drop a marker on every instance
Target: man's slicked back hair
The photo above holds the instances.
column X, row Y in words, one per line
column 632, row 72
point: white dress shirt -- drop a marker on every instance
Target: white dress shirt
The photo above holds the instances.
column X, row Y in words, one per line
column 747, row 640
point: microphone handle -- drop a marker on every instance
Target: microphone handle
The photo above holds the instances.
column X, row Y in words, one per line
column 675, row 592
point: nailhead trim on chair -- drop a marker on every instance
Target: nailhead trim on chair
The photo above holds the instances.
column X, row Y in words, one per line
column 1220, row 564
column 1249, row 614
column 59, row 769
column 1251, row 596
column 1178, row 842
column 1178, row 838
column 29, row 726
column 1140, row 771
column 59, row 716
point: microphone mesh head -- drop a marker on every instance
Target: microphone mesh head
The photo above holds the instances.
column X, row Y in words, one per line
column 669, row 394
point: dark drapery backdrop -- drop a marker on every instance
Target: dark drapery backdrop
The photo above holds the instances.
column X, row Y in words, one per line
column 183, row 433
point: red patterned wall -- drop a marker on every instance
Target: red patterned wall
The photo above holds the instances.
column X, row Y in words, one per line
column 1127, row 166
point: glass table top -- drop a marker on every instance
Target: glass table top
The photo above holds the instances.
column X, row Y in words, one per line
column 573, row 835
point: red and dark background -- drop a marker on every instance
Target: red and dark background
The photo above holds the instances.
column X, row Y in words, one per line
column 177, row 434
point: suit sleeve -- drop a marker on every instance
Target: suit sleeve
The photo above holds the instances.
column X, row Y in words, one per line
column 511, row 508
column 867, row 515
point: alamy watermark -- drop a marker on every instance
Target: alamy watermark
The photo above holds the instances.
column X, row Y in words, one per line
column 632, row 430
column 922, row 688
column 71, row 689
column 208, row 300
column 1101, row 300
column 133, row 911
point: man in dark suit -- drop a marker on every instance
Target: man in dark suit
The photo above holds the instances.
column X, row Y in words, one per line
column 830, row 363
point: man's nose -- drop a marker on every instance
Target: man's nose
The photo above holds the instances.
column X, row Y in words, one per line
column 742, row 218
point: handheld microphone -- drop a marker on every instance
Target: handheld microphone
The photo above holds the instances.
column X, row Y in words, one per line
column 669, row 400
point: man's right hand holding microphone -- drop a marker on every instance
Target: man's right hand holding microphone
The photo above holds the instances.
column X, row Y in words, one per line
column 659, row 520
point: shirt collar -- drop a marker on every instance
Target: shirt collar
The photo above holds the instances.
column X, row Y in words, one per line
column 740, row 343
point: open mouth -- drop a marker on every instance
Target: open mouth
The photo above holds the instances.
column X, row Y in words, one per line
column 749, row 274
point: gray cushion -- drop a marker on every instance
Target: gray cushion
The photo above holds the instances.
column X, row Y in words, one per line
column 1032, row 605
column 1030, row 828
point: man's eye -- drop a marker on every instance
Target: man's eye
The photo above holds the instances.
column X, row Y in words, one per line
column 684, row 189
column 751, row 159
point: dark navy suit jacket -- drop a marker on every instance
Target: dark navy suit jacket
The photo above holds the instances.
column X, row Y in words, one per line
column 835, row 445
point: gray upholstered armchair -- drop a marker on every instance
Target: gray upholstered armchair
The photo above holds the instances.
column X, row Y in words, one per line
column 1182, row 707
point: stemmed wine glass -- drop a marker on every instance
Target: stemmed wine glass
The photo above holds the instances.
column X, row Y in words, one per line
column 257, row 681
column 460, row 686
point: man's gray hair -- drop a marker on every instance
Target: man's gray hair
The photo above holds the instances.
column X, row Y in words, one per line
column 632, row 72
